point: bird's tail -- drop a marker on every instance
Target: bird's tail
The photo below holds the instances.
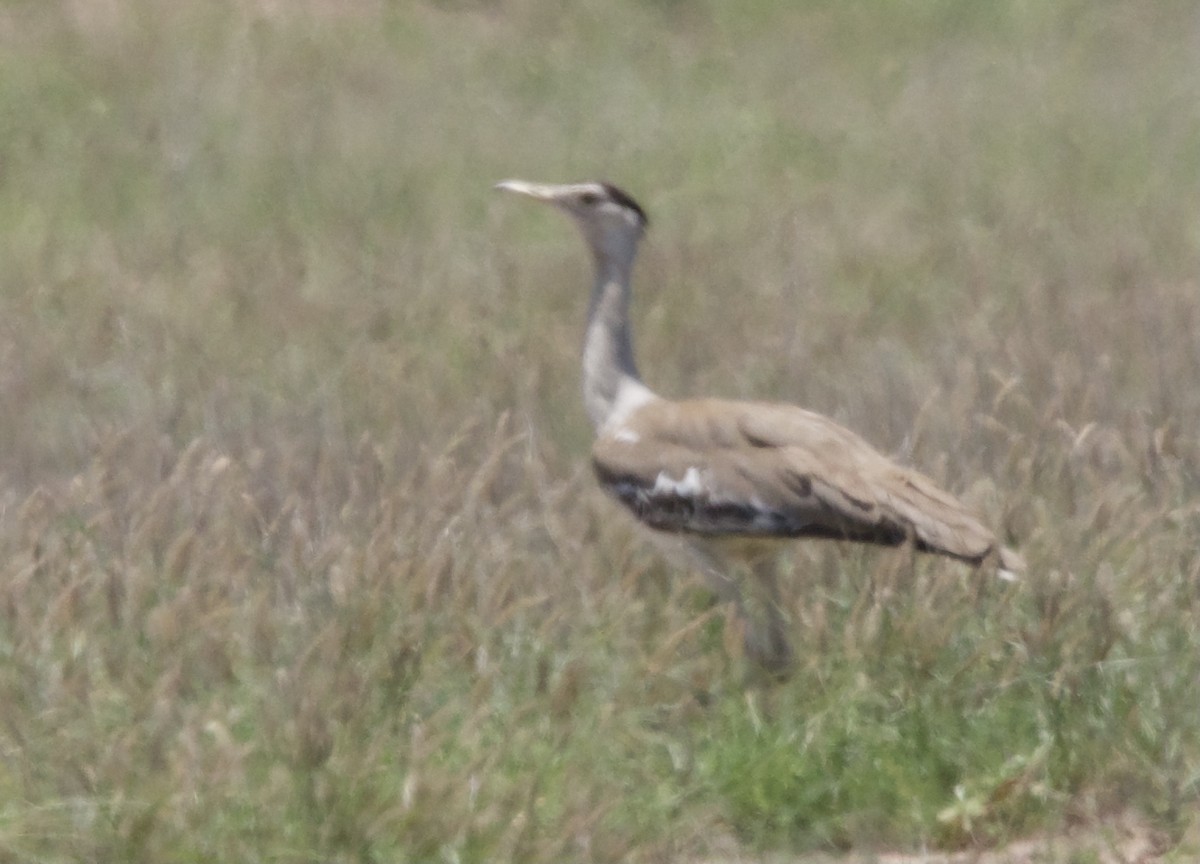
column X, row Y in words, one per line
column 1011, row 565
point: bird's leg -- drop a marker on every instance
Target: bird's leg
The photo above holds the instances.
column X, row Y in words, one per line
column 751, row 588
column 899, row 568
column 767, row 641
column 760, row 623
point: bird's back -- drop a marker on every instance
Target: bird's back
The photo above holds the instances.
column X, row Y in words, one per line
column 718, row 467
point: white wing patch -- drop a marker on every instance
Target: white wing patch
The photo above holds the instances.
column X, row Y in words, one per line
column 691, row 486
column 626, row 436
column 765, row 519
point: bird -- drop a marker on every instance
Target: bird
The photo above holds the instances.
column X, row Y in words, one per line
column 726, row 482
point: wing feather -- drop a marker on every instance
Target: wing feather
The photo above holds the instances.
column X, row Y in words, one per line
column 713, row 467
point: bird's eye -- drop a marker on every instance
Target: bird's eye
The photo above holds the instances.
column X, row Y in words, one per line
column 589, row 198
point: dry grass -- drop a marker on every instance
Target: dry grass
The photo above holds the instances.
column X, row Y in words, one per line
column 299, row 557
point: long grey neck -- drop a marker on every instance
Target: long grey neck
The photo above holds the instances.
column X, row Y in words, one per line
column 609, row 372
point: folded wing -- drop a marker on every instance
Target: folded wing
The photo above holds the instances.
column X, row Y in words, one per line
column 713, row 467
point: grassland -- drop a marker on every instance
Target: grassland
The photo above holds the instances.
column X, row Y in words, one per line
column 299, row 555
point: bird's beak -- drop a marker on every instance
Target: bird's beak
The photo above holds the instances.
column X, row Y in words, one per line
column 536, row 191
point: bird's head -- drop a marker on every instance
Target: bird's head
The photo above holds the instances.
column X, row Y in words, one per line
column 611, row 221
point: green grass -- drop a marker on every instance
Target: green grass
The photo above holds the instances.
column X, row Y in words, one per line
column 300, row 559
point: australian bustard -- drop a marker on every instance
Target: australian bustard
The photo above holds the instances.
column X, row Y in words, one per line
column 725, row 480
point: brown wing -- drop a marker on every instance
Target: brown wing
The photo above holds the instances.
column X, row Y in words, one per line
column 712, row 467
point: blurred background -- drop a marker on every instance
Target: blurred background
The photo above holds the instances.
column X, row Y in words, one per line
column 301, row 557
